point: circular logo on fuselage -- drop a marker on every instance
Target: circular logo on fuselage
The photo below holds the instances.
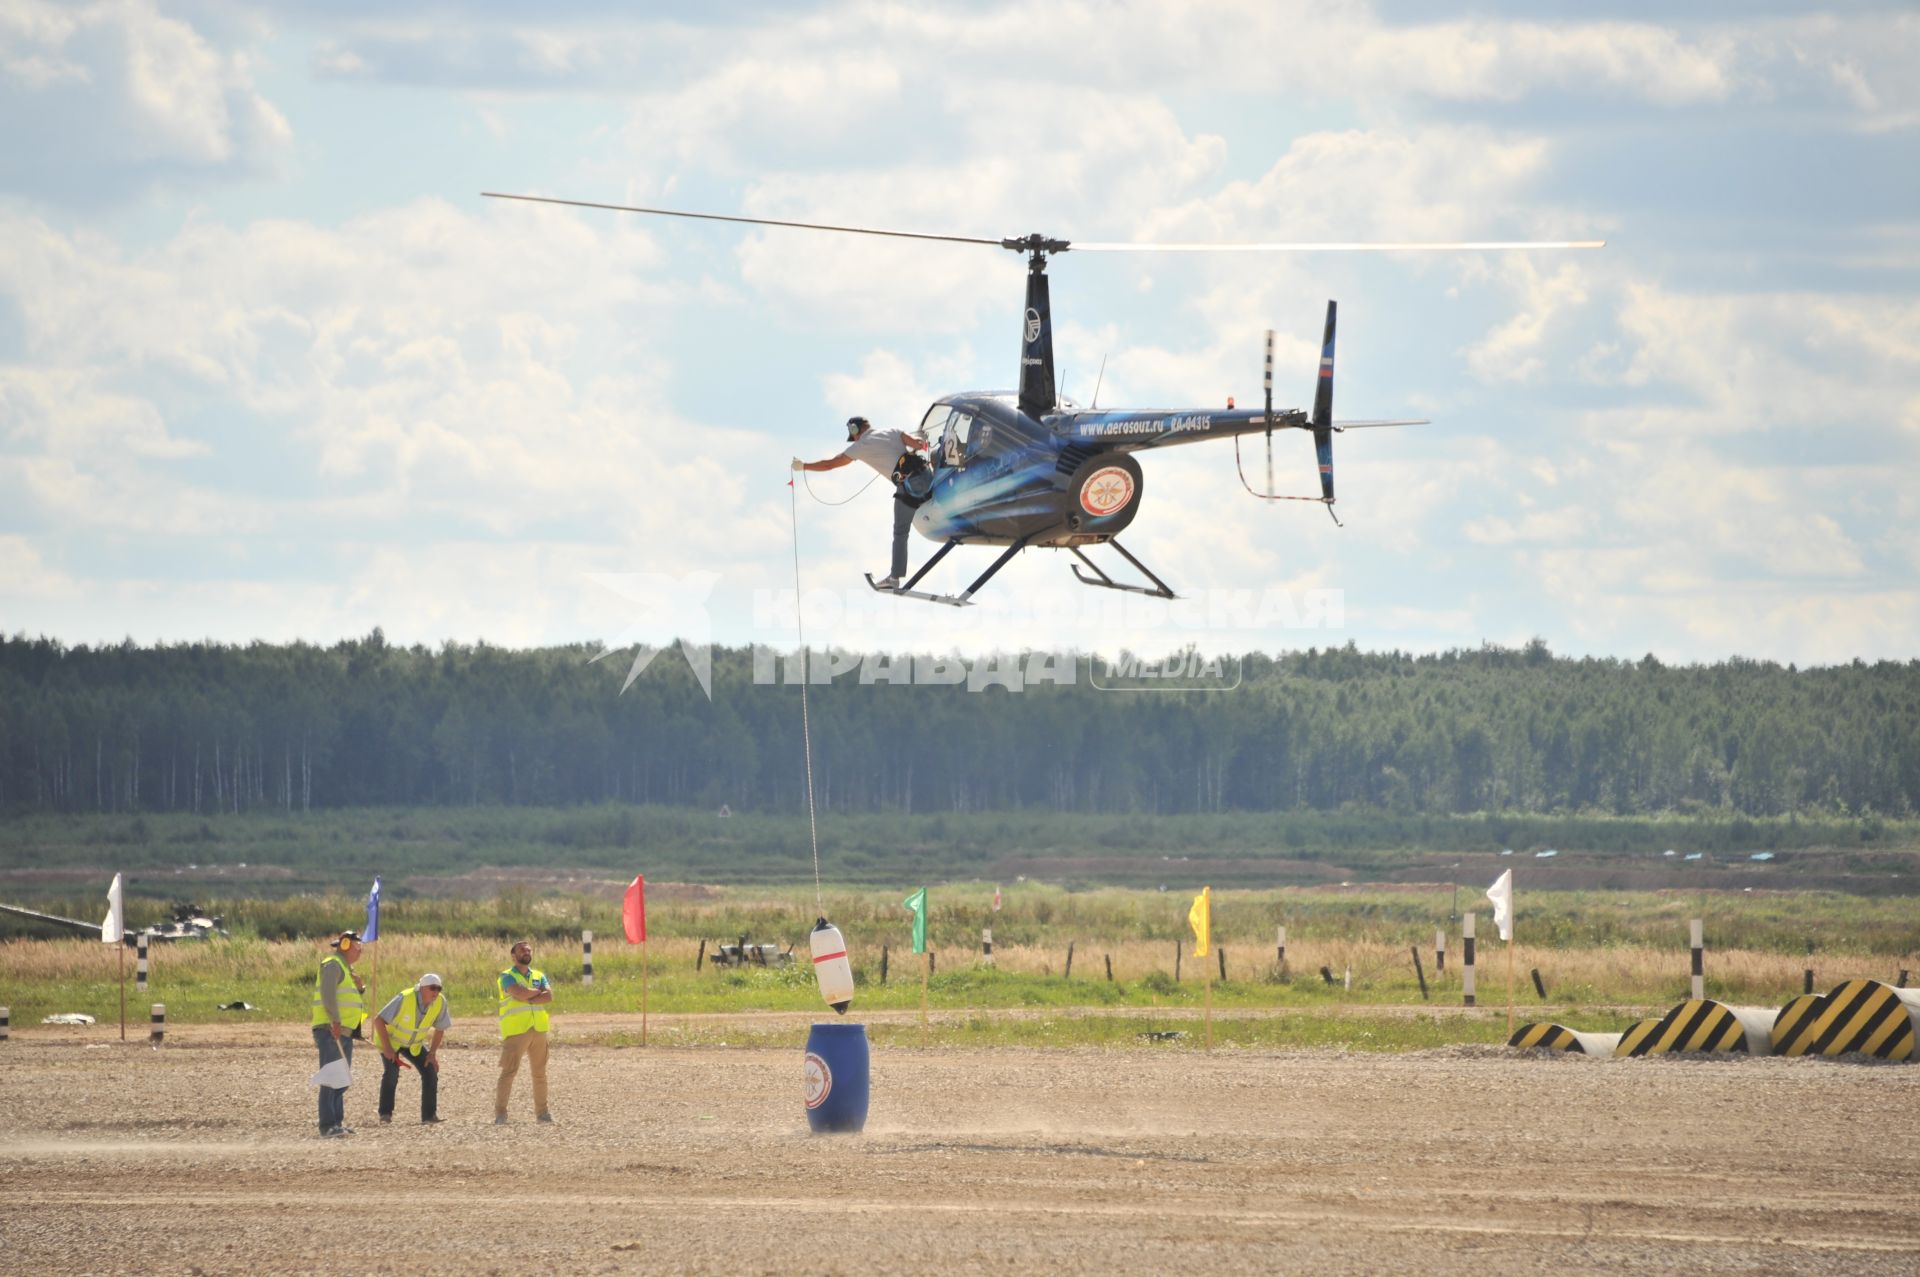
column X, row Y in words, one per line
column 819, row 1081
column 1033, row 324
column 1106, row 491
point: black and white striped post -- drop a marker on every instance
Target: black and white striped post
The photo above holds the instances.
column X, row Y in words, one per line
column 140, row 962
column 586, row 958
column 1439, row 950
column 1466, row 960
column 6, row 1022
column 1280, row 947
column 159, row 1030
column 1699, row 963
column 986, row 945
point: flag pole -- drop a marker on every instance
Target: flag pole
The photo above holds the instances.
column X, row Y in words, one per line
column 1510, row 988
column 123, row 990
column 926, row 971
column 1209, row 970
column 643, row 993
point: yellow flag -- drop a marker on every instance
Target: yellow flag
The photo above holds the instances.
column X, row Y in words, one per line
column 1200, row 918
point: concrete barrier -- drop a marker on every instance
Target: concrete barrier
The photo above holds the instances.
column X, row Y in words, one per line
column 1558, row 1037
column 1701, row 1025
column 1866, row 1016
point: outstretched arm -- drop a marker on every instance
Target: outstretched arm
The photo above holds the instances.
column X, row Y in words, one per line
column 831, row 463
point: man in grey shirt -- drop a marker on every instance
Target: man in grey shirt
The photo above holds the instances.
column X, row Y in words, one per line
column 884, row 450
column 338, row 1008
column 410, row 1029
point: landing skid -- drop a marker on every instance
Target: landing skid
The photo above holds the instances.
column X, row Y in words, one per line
column 963, row 598
column 1160, row 590
column 901, row 591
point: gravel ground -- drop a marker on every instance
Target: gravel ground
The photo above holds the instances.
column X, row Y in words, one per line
column 202, row 1158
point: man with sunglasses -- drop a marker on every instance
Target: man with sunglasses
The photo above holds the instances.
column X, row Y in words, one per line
column 410, row 1029
column 525, row 996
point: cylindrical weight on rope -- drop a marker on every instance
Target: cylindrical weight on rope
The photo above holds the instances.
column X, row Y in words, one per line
column 6, row 1021
column 837, row 1078
column 986, row 945
column 1440, row 951
column 586, row 958
column 1699, row 960
column 159, row 1023
column 140, row 964
column 835, row 974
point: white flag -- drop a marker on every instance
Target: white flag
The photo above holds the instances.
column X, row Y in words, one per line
column 113, row 928
column 335, row 1075
column 1501, row 893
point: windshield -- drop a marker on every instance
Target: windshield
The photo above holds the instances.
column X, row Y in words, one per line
column 935, row 421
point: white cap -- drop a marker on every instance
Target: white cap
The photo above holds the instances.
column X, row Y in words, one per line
column 432, row 979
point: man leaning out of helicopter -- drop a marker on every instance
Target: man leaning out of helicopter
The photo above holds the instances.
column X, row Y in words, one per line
column 891, row 453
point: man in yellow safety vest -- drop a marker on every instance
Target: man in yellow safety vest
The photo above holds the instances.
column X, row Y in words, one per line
column 410, row 1029
column 525, row 996
column 338, row 1009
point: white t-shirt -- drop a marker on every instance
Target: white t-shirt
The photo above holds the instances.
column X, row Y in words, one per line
column 880, row 449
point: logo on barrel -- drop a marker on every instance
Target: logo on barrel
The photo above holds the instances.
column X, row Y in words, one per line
column 1106, row 491
column 819, row 1081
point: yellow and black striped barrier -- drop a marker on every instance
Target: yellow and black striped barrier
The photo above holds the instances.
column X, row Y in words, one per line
column 1795, row 1018
column 1558, row 1037
column 1867, row 1016
column 1698, row 1024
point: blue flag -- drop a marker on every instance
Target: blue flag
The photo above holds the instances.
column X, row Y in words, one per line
column 371, row 932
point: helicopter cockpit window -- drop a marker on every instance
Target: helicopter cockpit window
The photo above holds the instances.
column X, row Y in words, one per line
column 935, row 422
column 954, row 442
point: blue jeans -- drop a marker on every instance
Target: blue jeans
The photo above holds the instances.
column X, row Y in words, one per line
column 902, row 520
column 333, row 1099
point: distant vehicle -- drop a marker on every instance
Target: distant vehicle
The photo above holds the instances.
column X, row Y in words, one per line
column 1548, row 854
column 187, row 921
column 742, row 954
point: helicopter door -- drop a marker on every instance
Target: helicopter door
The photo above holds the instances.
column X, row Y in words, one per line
column 954, row 442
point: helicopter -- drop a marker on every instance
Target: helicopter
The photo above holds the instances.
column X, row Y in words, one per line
column 186, row 921
column 1025, row 469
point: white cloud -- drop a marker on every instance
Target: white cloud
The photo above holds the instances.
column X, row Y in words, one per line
column 119, row 95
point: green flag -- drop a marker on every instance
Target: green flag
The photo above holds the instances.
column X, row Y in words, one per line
column 918, row 903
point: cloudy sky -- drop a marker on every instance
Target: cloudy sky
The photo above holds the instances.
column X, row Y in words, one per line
column 271, row 368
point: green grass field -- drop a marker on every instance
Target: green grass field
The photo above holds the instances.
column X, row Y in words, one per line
column 1604, row 958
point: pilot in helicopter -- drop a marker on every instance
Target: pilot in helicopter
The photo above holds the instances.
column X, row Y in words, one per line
column 894, row 455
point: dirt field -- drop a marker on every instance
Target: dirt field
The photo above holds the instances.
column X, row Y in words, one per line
column 203, row 1158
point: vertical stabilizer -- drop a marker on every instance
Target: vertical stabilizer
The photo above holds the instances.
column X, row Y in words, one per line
column 1036, row 343
column 1323, row 409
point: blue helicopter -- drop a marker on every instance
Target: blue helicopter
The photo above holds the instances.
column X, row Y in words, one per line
column 1024, row 469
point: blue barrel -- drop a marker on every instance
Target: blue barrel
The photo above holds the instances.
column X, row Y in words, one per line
column 837, row 1078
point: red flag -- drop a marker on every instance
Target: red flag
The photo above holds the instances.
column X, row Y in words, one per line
column 634, row 911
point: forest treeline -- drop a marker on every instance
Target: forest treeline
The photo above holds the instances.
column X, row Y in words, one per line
column 212, row 728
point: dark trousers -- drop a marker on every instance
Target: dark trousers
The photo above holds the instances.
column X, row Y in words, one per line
column 333, row 1100
column 902, row 520
column 429, row 1082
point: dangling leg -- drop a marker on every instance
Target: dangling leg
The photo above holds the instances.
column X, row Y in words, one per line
column 902, row 522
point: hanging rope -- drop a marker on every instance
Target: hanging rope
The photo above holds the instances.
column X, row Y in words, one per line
column 856, row 492
column 806, row 726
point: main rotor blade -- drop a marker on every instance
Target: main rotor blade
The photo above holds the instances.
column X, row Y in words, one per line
column 1375, row 425
column 1410, row 247
column 750, row 221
